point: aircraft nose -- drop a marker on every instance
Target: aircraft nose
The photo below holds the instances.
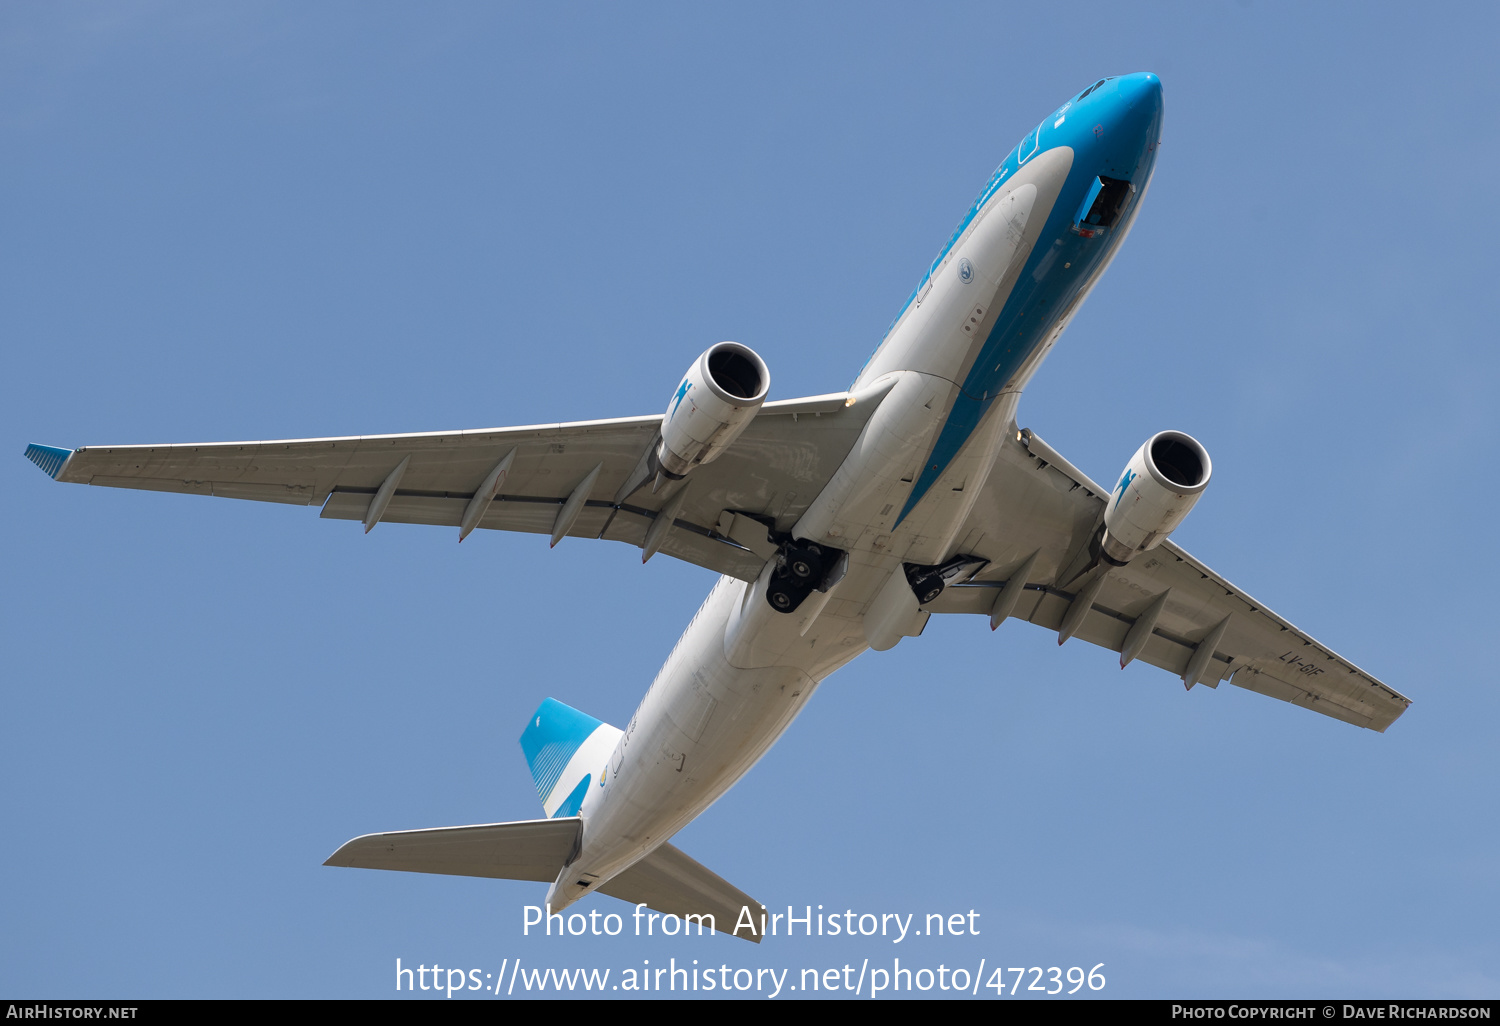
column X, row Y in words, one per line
column 1130, row 125
column 1140, row 93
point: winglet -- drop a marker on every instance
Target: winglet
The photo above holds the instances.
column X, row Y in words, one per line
column 49, row 458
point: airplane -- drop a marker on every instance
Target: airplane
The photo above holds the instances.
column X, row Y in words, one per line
column 838, row 522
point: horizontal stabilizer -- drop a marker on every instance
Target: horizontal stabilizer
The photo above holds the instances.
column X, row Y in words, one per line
column 534, row 849
column 666, row 880
column 669, row 881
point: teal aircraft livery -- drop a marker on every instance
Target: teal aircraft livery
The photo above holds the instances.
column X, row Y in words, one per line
column 839, row 523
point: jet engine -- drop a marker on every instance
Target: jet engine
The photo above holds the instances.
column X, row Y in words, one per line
column 714, row 403
column 1161, row 483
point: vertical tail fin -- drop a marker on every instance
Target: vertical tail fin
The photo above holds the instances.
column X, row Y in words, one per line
column 566, row 750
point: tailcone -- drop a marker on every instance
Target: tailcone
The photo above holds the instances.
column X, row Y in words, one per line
column 569, row 887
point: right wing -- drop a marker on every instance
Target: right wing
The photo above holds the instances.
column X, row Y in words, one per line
column 1035, row 501
column 771, row 473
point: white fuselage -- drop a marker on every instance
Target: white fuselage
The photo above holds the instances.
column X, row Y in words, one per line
column 742, row 671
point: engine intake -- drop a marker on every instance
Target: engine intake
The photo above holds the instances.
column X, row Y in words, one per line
column 713, row 404
column 1161, row 483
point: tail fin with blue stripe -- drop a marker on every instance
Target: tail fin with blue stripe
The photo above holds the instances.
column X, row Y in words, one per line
column 567, row 751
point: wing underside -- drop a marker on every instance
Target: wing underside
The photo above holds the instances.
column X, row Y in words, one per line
column 769, row 475
column 1035, row 501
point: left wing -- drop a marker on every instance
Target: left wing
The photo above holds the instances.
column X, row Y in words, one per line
column 1164, row 607
column 772, row 472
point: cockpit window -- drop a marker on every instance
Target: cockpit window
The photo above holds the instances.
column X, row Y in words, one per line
column 1091, row 88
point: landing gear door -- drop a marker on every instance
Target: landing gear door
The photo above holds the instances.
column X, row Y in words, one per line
column 1103, row 206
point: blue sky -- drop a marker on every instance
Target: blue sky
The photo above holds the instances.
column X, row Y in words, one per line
column 267, row 221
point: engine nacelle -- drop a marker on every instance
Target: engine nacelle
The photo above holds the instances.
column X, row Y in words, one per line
column 714, row 403
column 1161, row 483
